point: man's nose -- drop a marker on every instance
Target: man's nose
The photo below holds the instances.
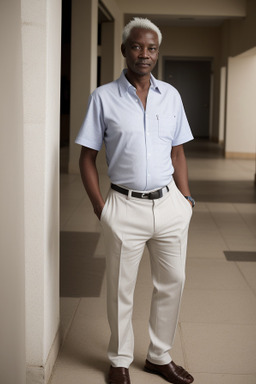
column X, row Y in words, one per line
column 144, row 52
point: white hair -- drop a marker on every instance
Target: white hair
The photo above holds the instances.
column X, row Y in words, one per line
column 138, row 22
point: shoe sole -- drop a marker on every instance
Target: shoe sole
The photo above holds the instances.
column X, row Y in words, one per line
column 153, row 372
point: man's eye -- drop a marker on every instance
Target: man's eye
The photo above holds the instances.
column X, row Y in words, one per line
column 152, row 49
column 136, row 47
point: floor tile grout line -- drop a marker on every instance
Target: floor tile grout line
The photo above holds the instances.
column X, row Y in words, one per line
column 218, row 323
column 70, row 323
column 67, row 184
column 247, row 226
column 63, row 340
column 218, row 229
column 183, row 346
column 240, row 270
column 218, row 289
column 70, row 215
column 233, row 205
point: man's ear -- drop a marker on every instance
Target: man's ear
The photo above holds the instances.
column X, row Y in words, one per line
column 123, row 49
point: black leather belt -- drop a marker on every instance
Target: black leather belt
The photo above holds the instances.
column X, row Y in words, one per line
column 140, row 195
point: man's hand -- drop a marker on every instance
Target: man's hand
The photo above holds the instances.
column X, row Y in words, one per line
column 98, row 210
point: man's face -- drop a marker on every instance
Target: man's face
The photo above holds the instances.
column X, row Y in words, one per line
column 141, row 51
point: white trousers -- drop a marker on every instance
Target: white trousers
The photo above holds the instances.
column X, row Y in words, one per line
column 128, row 225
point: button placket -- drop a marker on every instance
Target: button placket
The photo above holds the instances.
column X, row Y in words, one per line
column 148, row 147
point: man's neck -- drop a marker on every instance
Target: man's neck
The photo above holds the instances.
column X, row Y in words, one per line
column 140, row 82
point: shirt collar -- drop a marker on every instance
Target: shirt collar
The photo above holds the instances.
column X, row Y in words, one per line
column 124, row 84
column 155, row 84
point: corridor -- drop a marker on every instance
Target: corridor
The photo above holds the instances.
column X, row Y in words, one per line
column 216, row 335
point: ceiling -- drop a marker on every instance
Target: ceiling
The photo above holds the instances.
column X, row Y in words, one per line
column 182, row 21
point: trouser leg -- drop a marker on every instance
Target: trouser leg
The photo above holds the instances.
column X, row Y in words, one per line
column 122, row 269
column 124, row 244
column 167, row 254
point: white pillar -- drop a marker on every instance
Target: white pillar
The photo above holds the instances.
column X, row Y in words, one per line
column 241, row 96
column 12, row 259
column 83, row 67
column 41, row 43
column 222, row 104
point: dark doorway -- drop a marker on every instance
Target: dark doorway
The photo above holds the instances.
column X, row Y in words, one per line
column 65, row 73
column 192, row 78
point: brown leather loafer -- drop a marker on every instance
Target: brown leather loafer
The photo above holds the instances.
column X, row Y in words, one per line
column 118, row 375
column 171, row 372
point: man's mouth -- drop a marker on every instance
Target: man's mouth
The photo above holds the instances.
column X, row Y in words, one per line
column 142, row 64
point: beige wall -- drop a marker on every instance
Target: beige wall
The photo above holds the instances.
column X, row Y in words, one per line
column 191, row 42
column 30, row 94
column 83, row 68
column 41, row 39
column 115, row 10
column 238, row 55
column 12, row 259
column 222, row 104
column 84, row 62
column 241, row 116
column 195, row 42
column 240, row 35
column 107, row 53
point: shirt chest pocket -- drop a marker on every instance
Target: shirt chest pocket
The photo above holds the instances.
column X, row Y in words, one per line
column 166, row 125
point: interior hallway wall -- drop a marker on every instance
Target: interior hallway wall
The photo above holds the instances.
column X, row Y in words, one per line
column 241, row 96
column 84, row 32
column 195, row 42
column 238, row 55
column 107, row 53
column 242, row 33
column 41, row 44
column 12, row 260
column 222, row 104
column 84, row 50
column 117, row 14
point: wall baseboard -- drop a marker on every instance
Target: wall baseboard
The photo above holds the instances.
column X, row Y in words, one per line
column 240, row 155
column 42, row 374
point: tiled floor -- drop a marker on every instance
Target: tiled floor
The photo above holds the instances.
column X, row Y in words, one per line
column 216, row 337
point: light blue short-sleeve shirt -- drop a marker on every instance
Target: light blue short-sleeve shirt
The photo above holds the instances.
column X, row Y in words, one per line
column 138, row 142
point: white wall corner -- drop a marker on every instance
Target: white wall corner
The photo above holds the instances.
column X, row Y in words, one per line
column 42, row 374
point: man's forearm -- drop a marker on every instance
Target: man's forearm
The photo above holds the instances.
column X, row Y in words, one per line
column 180, row 170
column 90, row 178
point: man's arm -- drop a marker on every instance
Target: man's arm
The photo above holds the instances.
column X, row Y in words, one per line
column 90, row 178
column 180, row 169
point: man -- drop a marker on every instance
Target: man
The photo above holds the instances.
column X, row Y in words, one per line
column 143, row 125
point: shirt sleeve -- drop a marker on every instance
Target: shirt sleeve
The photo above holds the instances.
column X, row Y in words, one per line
column 183, row 132
column 91, row 133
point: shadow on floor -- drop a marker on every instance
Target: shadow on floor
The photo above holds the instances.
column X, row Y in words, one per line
column 203, row 148
column 81, row 274
column 223, row 191
column 240, row 256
